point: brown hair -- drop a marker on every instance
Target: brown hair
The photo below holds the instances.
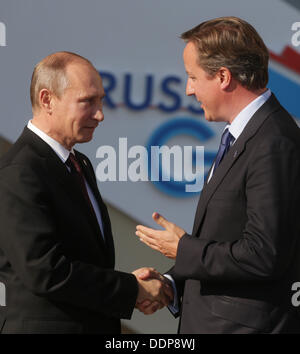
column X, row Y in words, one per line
column 50, row 74
column 232, row 43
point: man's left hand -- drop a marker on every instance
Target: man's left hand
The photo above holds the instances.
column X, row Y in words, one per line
column 163, row 241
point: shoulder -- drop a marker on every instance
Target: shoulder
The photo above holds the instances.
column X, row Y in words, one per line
column 21, row 165
column 279, row 132
column 21, row 155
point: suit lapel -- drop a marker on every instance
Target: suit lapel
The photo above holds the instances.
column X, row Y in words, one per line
column 89, row 175
column 232, row 157
column 70, row 186
column 59, row 170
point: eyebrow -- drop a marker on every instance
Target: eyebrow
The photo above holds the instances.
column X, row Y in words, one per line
column 90, row 97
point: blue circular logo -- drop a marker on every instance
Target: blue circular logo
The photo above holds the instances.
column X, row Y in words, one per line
column 176, row 127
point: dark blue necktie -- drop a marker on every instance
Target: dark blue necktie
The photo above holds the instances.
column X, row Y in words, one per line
column 226, row 140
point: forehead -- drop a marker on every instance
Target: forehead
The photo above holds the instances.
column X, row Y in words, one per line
column 190, row 54
column 191, row 61
column 83, row 77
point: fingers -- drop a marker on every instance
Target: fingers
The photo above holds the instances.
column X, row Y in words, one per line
column 164, row 294
column 153, row 295
column 144, row 304
column 149, row 308
column 149, row 273
column 170, row 226
column 145, row 273
column 154, row 290
column 152, row 243
column 153, row 237
column 154, row 274
column 148, row 232
column 160, row 220
column 169, row 292
column 166, row 245
column 150, row 237
column 164, row 299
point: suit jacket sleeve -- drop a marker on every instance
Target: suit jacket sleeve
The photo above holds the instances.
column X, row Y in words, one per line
column 34, row 251
column 265, row 247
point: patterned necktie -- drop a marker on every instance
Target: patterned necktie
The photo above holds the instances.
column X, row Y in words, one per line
column 77, row 173
column 226, row 140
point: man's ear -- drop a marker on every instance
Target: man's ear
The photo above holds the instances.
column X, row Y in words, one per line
column 46, row 101
column 225, row 77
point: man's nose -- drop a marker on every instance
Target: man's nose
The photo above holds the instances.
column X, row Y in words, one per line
column 99, row 116
column 189, row 90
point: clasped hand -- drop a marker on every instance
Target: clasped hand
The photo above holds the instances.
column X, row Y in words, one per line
column 155, row 291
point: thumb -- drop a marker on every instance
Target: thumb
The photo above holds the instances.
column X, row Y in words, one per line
column 160, row 220
column 146, row 273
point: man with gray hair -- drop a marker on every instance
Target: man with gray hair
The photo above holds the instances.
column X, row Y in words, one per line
column 56, row 247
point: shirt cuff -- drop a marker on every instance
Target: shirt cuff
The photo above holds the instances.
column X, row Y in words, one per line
column 174, row 307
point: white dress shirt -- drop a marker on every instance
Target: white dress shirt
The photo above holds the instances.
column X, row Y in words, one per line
column 240, row 121
column 63, row 154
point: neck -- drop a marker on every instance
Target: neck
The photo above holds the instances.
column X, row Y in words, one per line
column 239, row 99
column 45, row 127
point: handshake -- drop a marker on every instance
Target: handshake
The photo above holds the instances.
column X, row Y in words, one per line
column 155, row 291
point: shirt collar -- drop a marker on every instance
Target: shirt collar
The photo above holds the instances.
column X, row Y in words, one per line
column 60, row 150
column 240, row 121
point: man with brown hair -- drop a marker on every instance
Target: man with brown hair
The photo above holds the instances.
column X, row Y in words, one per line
column 56, row 246
column 234, row 273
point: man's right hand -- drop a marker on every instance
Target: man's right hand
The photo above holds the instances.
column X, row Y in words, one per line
column 155, row 291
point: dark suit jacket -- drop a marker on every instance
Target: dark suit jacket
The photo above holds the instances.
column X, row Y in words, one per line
column 236, row 269
column 58, row 272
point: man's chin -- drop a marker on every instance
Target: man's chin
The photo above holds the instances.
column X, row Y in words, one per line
column 208, row 118
column 85, row 139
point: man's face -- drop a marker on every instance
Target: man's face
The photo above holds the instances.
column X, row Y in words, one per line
column 76, row 114
column 205, row 88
